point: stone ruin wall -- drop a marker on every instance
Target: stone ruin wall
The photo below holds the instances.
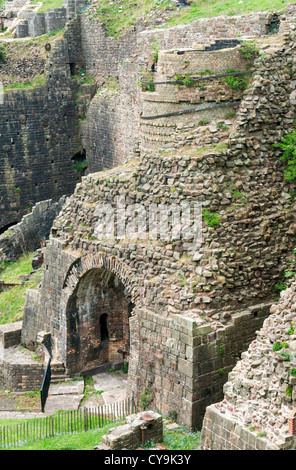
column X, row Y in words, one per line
column 258, row 408
column 225, row 293
column 38, row 138
column 186, row 334
column 112, row 131
column 110, row 134
column 40, row 135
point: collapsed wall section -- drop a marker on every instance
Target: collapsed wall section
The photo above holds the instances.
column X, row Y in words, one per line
column 257, row 411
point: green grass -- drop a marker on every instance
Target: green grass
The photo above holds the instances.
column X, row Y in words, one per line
column 12, row 300
column 78, row 441
column 48, row 4
column 180, row 439
column 118, row 18
column 210, row 8
column 37, row 81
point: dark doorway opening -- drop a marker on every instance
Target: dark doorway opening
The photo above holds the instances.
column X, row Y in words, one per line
column 104, row 327
column 98, row 313
column 72, row 69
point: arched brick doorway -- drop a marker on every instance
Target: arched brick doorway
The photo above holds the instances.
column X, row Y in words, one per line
column 97, row 315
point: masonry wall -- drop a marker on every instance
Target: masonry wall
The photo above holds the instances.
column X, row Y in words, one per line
column 259, row 396
column 33, row 229
column 218, row 287
column 39, row 135
column 21, row 377
column 220, row 432
column 111, row 133
column 173, row 107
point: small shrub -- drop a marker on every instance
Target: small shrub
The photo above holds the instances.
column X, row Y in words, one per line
column 291, row 329
column 172, row 415
column 289, row 274
column 80, row 166
column 281, row 286
column 188, row 82
column 211, row 219
column 279, row 346
column 146, row 397
column 236, row 82
column 148, row 86
column 249, row 50
column 288, row 145
column 287, row 356
column 203, row 122
column 221, row 350
column 293, row 372
column 2, row 54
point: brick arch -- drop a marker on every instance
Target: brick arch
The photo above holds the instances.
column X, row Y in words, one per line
column 99, row 260
column 81, row 268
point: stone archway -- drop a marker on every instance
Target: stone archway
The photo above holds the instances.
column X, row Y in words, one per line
column 97, row 301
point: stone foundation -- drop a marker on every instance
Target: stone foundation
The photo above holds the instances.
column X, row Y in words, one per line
column 141, row 427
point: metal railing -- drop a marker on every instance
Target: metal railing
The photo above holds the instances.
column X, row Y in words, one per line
column 194, row 110
column 65, row 422
column 199, row 79
column 45, row 385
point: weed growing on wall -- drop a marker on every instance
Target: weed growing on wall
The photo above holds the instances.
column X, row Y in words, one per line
column 212, row 219
column 249, row 50
column 237, row 82
column 288, row 145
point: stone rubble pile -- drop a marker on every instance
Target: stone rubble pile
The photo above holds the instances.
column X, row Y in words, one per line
column 260, row 393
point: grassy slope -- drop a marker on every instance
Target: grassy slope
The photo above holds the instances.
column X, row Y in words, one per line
column 12, row 301
column 179, row 439
column 211, row 8
column 120, row 15
column 48, row 4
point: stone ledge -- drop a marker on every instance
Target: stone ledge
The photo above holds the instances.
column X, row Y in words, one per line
column 10, row 334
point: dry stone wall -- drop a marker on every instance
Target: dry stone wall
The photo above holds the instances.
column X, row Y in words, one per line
column 195, row 310
column 259, row 397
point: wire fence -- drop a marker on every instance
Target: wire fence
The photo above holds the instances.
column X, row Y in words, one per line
column 65, row 422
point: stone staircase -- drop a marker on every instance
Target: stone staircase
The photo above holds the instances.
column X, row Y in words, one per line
column 58, row 373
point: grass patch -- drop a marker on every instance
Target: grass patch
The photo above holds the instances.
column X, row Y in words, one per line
column 12, row 301
column 211, row 8
column 118, row 18
column 48, row 4
column 179, row 439
column 78, row 441
column 37, row 81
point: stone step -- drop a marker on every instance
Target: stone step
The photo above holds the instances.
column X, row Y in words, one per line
column 59, row 378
